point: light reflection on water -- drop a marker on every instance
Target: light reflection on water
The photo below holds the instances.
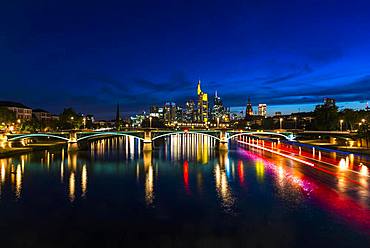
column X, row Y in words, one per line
column 182, row 168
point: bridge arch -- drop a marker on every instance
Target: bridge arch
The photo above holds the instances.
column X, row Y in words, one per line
column 188, row 132
column 270, row 133
column 38, row 135
column 108, row 134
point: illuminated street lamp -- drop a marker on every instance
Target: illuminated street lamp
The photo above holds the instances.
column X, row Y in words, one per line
column 281, row 123
column 341, row 125
column 363, row 120
column 218, row 121
column 150, row 122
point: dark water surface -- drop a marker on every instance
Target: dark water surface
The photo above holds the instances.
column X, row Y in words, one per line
column 183, row 194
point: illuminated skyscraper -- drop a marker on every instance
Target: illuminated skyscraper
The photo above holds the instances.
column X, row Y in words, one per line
column 218, row 110
column 262, row 110
column 202, row 105
column 169, row 112
column 249, row 109
column 190, row 115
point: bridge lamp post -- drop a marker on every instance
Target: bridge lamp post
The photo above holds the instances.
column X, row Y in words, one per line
column 150, row 122
column 281, row 123
column 341, row 125
column 218, row 121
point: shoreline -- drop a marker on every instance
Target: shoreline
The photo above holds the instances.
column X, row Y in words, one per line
column 8, row 152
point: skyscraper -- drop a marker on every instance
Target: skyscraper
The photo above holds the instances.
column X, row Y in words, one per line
column 218, row 109
column 249, row 109
column 202, row 105
column 169, row 112
column 190, row 111
column 262, row 110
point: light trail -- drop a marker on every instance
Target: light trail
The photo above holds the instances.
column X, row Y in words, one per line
column 362, row 171
column 308, row 163
column 278, row 153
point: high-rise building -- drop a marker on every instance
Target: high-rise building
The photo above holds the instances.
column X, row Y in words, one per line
column 154, row 111
column 249, row 109
column 179, row 114
column 219, row 111
column 262, row 110
column 202, row 105
column 169, row 112
column 218, row 108
column 190, row 115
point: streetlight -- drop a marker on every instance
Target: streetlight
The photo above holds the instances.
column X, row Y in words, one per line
column 295, row 122
column 218, row 121
column 150, row 122
column 281, row 123
column 341, row 125
column 363, row 120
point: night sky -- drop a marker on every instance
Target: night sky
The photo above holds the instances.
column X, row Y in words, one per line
column 93, row 54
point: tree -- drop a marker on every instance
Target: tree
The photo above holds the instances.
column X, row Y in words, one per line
column 6, row 116
column 326, row 117
column 350, row 118
column 32, row 125
column 363, row 132
column 69, row 119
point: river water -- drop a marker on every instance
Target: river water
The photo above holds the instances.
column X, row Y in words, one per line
column 182, row 194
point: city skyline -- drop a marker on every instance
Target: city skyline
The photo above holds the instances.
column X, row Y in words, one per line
column 127, row 53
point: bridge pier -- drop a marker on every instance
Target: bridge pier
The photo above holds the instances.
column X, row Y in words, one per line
column 224, row 143
column 72, row 143
column 148, row 142
column 72, row 146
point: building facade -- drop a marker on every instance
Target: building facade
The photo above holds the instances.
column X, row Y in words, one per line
column 42, row 115
column 262, row 110
column 21, row 111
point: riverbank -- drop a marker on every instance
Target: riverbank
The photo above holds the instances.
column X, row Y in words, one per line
column 11, row 151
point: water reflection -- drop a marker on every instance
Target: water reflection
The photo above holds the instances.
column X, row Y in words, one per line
column 186, row 176
column 222, row 187
column 72, row 186
column 149, row 178
column 84, row 181
column 182, row 165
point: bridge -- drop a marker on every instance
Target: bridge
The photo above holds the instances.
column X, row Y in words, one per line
column 147, row 136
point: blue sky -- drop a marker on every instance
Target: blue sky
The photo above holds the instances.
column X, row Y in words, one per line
column 287, row 54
